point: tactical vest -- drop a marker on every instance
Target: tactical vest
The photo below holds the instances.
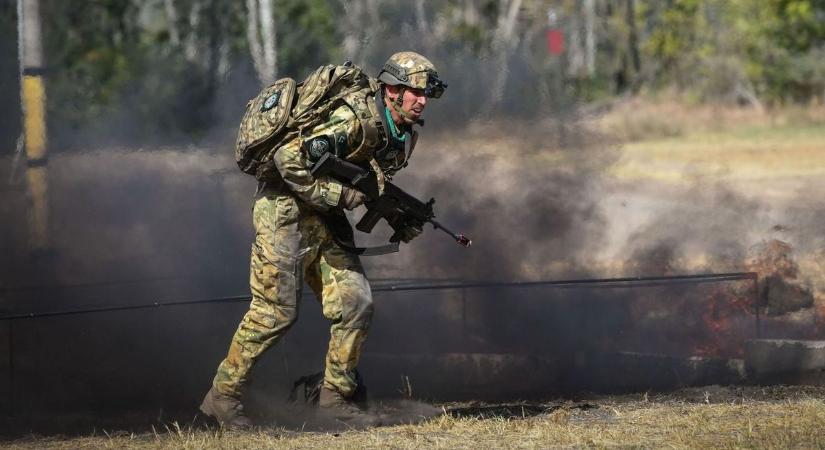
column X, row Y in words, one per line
column 282, row 111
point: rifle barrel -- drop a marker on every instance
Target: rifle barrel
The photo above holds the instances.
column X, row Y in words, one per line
column 459, row 238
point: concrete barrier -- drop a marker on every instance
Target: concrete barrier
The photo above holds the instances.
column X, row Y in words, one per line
column 785, row 361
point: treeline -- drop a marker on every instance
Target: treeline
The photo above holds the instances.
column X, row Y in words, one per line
column 138, row 68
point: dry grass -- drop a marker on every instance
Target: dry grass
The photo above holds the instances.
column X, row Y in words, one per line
column 674, row 143
column 746, row 155
column 639, row 119
column 775, row 159
column 779, row 417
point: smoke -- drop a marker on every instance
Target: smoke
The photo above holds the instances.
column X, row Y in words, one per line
column 174, row 223
column 708, row 227
column 121, row 215
column 529, row 204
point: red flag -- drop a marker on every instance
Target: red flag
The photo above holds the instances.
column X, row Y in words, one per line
column 555, row 41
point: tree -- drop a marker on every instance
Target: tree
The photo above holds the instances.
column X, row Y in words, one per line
column 260, row 34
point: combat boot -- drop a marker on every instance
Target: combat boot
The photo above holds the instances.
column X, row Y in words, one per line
column 344, row 410
column 226, row 409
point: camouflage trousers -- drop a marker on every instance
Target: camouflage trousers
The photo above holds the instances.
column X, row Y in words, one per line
column 293, row 243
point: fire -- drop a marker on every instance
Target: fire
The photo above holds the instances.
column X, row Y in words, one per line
column 725, row 314
column 789, row 309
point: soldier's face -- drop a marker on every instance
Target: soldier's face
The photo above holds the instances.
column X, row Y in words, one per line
column 413, row 102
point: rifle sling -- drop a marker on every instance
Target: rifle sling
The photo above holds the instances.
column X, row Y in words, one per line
column 368, row 251
column 361, row 251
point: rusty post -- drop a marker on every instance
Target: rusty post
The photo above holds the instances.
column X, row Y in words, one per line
column 11, row 368
column 464, row 314
column 158, row 348
column 756, row 306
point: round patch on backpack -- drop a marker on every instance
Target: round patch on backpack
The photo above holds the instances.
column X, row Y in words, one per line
column 271, row 101
column 316, row 147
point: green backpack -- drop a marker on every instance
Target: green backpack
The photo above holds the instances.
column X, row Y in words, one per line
column 283, row 110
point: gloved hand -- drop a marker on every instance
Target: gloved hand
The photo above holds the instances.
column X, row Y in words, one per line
column 405, row 231
column 410, row 232
column 351, row 198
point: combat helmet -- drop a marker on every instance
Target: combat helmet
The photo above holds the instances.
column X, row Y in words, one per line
column 412, row 70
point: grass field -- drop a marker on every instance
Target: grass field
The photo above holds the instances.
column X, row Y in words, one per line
column 691, row 167
column 678, row 144
column 711, row 417
column 747, row 154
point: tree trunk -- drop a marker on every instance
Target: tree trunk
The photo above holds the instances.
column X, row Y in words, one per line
column 191, row 49
column 423, row 27
column 260, row 34
column 361, row 25
column 632, row 38
column 575, row 51
column 172, row 18
column 353, row 9
column 590, row 37
column 504, row 40
column 267, row 18
column 216, row 19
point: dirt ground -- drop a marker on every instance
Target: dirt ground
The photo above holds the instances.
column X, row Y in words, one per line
column 712, row 416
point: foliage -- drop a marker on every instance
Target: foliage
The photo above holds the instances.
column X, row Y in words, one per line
column 9, row 83
column 119, row 62
column 299, row 50
column 774, row 47
column 785, row 44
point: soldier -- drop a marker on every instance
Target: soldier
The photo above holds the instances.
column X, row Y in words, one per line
column 301, row 233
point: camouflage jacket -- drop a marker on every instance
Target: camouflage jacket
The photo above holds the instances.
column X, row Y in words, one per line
column 293, row 163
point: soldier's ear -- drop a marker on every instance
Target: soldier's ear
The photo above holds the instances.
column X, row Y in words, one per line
column 390, row 91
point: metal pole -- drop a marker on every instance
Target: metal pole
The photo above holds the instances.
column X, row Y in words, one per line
column 464, row 316
column 33, row 98
column 11, row 368
column 158, row 350
column 756, row 301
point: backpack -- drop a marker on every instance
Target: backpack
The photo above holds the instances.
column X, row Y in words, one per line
column 281, row 111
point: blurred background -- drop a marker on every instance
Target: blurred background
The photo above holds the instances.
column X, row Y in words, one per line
column 591, row 138
column 179, row 71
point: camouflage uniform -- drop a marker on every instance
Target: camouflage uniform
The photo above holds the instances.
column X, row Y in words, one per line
column 293, row 242
column 299, row 225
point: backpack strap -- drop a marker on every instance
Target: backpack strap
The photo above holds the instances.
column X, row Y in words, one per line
column 374, row 136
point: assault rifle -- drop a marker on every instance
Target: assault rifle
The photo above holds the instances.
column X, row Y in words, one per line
column 397, row 207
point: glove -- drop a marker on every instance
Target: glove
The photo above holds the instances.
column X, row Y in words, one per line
column 410, row 232
column 405, row 232
column 351, row 198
